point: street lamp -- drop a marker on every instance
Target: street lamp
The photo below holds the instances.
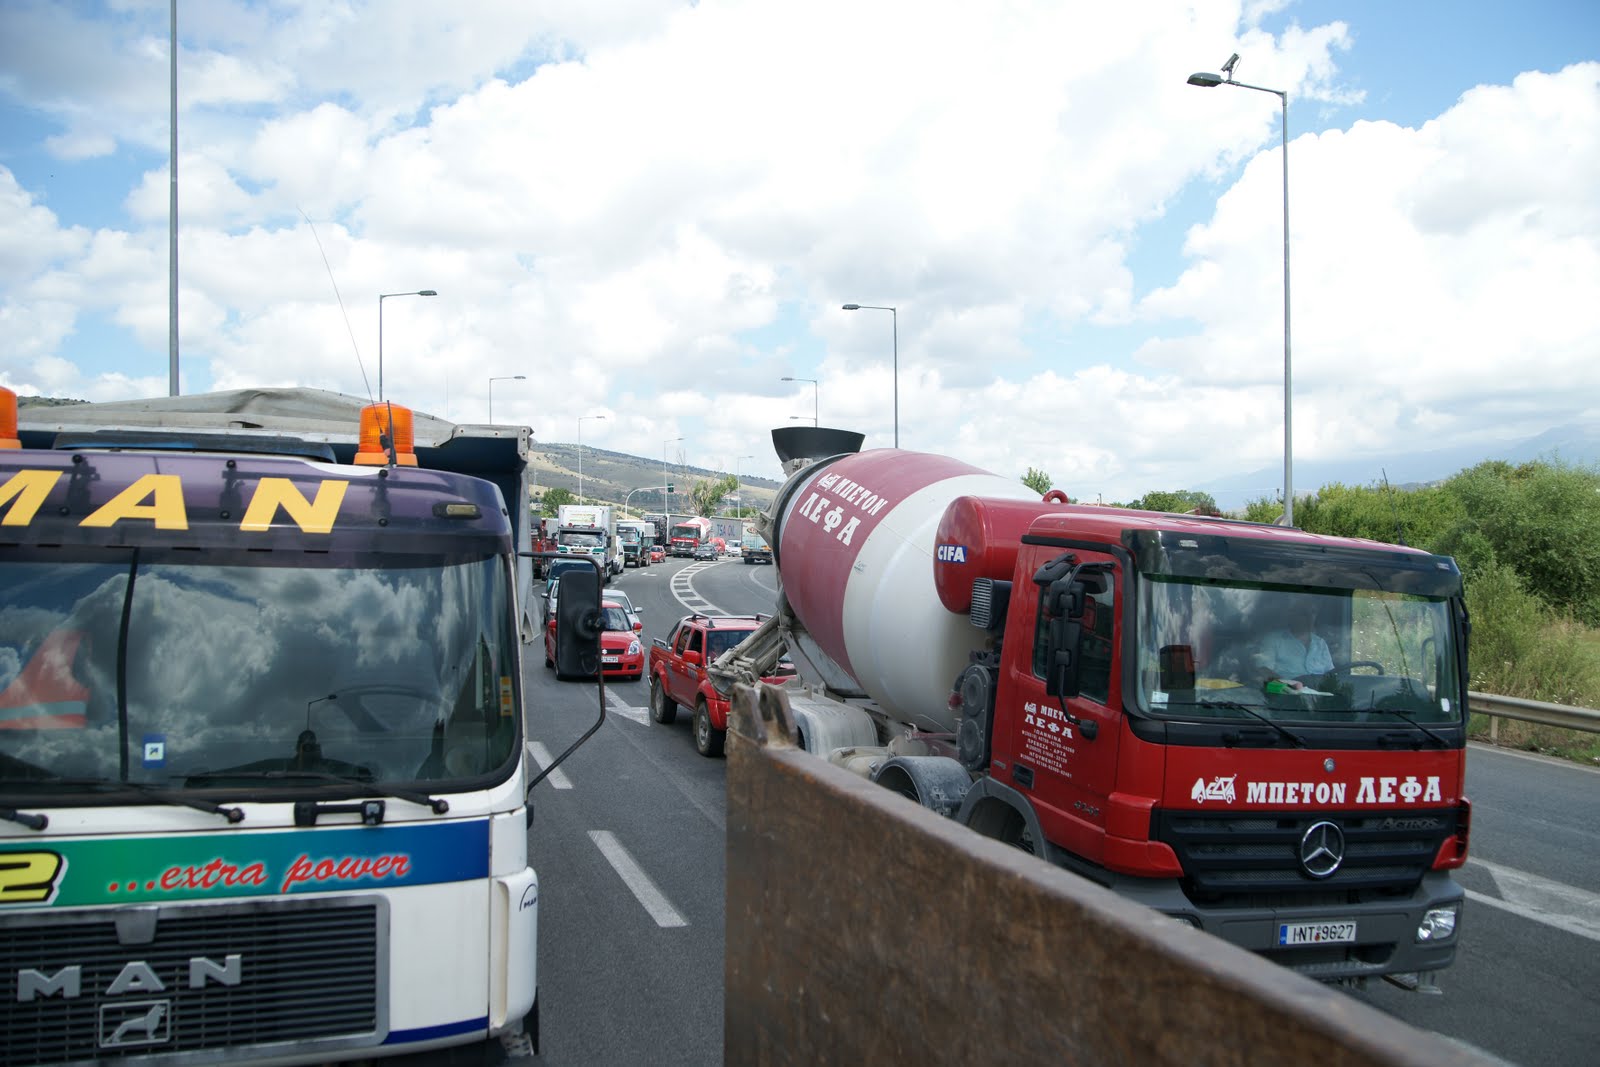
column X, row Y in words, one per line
column 381, row 298
column 504, row 378
column 737, row 488
column 895, row 323
column 1210, row 81
column 666, row 495
column 814, row 391
column 580, row 452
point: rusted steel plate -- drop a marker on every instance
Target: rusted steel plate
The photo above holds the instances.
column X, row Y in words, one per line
column 862, row 928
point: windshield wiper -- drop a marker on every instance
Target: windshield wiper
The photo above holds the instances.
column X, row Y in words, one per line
column 1403, row 717
column 1234, row 705
column 27, row 818
column 438, row 805
column 165, row 796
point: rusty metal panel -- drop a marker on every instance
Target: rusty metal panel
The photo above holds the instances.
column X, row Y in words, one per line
column 862, row 928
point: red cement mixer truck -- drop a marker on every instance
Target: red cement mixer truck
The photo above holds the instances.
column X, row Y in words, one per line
column 1255, row 730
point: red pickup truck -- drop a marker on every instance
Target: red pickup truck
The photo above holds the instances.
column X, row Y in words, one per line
column 678, row 674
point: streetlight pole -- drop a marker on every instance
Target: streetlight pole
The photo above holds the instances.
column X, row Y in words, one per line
column 666, row 495
column 737, row 488
column 580, row 452
column 814, row 391
column 505, row 378
column 895, row 323
column 1210, row 81
column 381, row 298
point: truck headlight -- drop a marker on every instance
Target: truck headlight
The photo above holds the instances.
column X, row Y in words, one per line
column 1437, row 923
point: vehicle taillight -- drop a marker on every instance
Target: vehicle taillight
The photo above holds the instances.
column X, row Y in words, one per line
column 1453, row 849
column 379, row 421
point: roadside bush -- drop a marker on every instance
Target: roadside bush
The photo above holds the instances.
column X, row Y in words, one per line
column 1540, row 519
column 1520, row 648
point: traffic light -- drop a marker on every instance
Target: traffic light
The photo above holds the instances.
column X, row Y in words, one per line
column 671, row 488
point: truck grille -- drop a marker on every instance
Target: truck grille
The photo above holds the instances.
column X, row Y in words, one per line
column 1255, row 859
column 306, row 971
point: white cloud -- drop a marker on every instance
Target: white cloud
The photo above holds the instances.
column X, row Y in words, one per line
column 655, row 212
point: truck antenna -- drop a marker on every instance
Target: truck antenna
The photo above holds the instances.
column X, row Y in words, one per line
column 332, row 281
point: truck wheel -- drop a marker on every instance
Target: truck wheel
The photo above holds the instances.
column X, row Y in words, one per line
column 708, row 740
column 663, row 709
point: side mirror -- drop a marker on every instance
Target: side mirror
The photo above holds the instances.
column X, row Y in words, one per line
column 578, row 622
column 694, row 659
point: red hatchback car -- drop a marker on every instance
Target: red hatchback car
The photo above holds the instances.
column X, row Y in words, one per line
column 621, row 652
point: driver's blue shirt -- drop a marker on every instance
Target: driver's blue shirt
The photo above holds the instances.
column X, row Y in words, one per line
column 1287, row 657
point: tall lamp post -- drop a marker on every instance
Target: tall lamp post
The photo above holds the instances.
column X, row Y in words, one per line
column 666, row 494
column 505, row 378
column 814, row 390
column 737, row 488
column 381, row 298
column 1210, row 81
column 895, row 323
column 580, row 452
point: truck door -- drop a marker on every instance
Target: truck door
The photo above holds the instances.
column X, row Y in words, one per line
column 1062, row 751
column 686, row 676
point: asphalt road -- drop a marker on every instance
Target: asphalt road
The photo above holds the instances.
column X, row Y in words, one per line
column 628, row 844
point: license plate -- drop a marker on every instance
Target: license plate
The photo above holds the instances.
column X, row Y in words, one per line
column 611, row 659
column 1291, row 934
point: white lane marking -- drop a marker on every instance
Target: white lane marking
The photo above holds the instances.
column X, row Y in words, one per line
column 541, row 756
column 683, row 591
column 1564, row 907
column 654, row 901
column 617, row 705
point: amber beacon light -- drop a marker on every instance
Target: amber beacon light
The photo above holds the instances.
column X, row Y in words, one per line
column 8, row 419
column 383, row 424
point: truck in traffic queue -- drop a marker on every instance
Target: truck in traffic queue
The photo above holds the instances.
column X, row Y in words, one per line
column 687, row 536
column 1257, row 731
column 659, row 521
column 263, row 793
column 635, row 537
column 587, row 529
column 728, row 530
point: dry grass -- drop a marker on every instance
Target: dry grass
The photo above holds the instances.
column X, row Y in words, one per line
column 1576, row 745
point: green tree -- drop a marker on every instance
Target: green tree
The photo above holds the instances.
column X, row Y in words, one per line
column 1416, row 517
column 1540, row 519
column 1179, row 502
column 1037, row 480
column 554, row 498
column 1265, row 509
column 706, row 494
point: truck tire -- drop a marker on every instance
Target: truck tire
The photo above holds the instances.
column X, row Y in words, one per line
column 708, row 740
column 663, row 709
column 938, row 783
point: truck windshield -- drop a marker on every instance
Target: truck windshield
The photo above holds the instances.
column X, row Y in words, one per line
column 243, row 675
column 581, row 540
column 1217, row 649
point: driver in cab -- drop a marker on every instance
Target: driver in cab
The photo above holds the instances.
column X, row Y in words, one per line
column 1294, row 650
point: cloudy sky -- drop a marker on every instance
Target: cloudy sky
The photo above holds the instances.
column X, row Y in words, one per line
column 654, row 210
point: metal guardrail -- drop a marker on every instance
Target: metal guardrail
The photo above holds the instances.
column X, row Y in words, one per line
column 1565, row 716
